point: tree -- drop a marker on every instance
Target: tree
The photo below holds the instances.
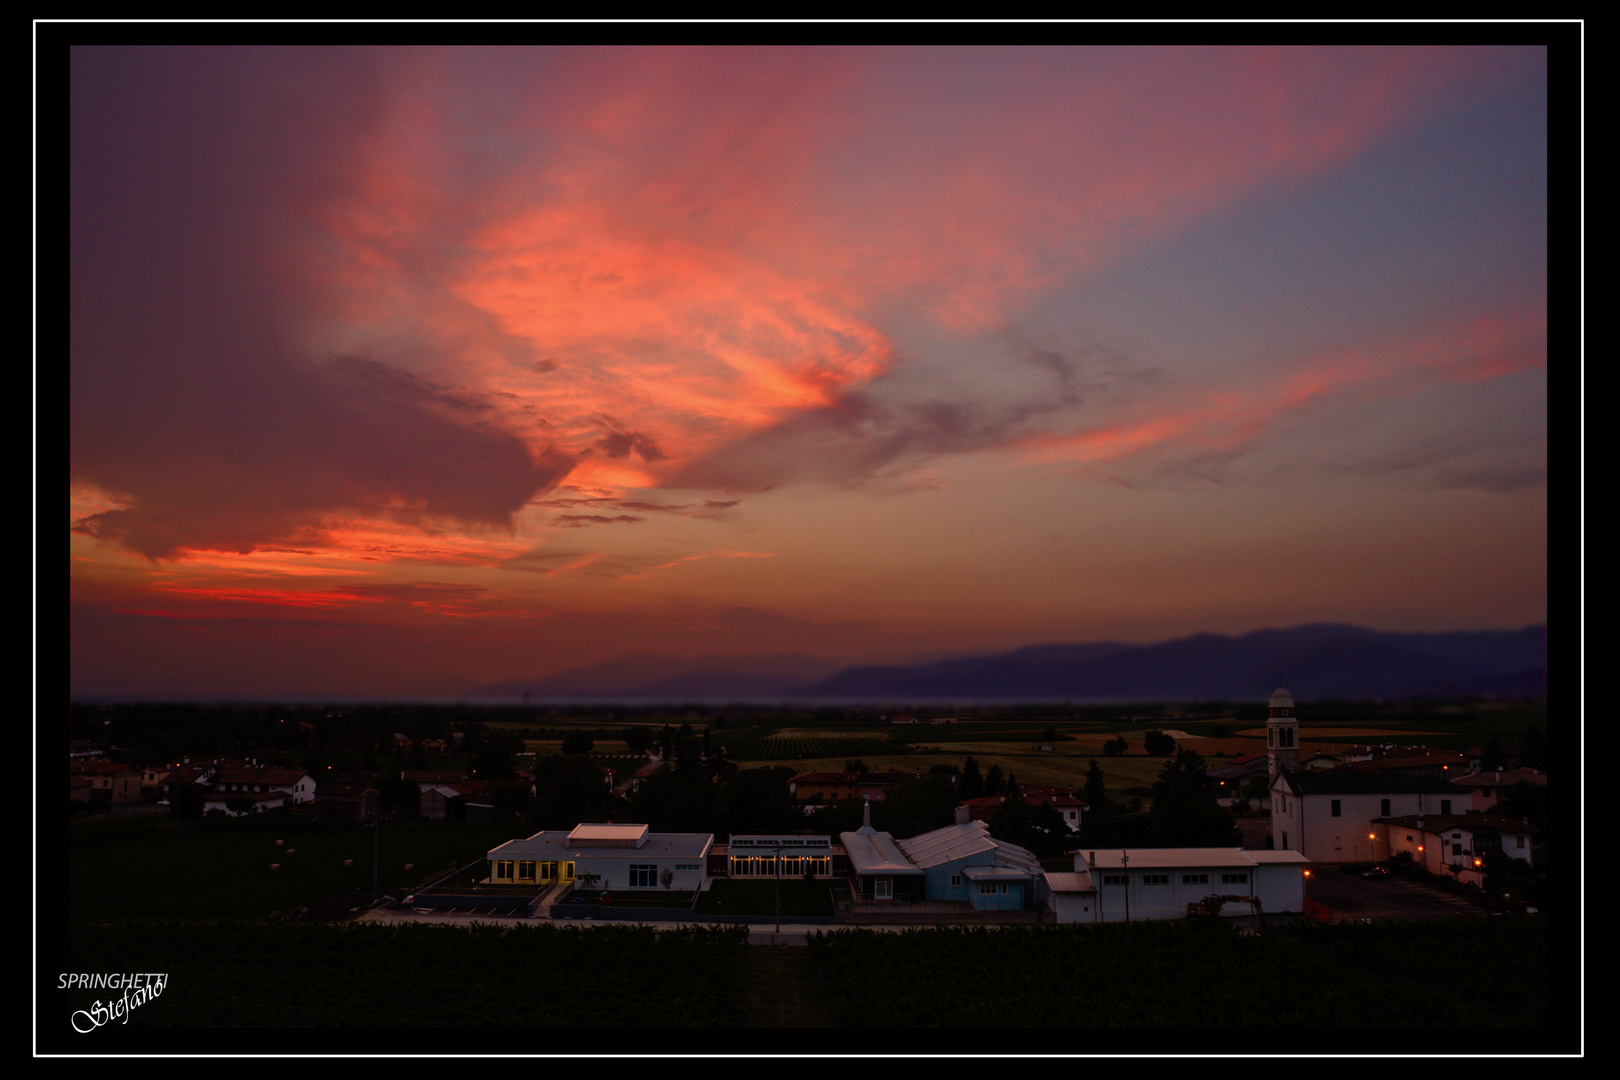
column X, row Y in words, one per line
column 920, row 805
column 1115, row 747
column 578, row 742
column 666, row 878
column 856, row 766
column 994, row 782
column 638, row 739
column 1185, row 811
column 972, row 782
column 1158, row 744
column 1533, row 749
column 1039, row 828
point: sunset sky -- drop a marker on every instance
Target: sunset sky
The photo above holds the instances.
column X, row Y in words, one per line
column 399, row 371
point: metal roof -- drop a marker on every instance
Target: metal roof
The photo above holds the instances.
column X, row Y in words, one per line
column 1171, row 858
column 873, row 852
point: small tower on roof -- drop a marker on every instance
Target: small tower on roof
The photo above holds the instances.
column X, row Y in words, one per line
column 1282, row 733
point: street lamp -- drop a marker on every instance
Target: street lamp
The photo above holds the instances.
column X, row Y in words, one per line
column 778, row 865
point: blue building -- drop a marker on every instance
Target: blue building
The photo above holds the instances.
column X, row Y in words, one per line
column 963, row 862
column 958, row 862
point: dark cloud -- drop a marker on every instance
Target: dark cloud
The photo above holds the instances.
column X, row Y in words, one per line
column 580, row 521
column 194, row 175
column 621, row 442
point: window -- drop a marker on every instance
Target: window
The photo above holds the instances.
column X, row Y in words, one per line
column 503, row 870
column 525, row 871
column 643, row 875
column 1155, row 879
column 1113, row 879
column 1234, row 879
column 1445, row 806
column 1456, row 849
column 1518, row 841
column 992, row 888
column 1335, row 810
column 883, row 888
column 956, row 881
column 1285, row 841
column 1383, row 808
column 686, row 866
column 1195, row 879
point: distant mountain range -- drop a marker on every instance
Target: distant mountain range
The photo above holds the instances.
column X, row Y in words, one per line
column 1314, row 662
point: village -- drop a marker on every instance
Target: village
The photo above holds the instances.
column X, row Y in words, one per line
column 1409, row 818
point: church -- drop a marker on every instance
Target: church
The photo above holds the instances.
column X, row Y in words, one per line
column 1341, row 816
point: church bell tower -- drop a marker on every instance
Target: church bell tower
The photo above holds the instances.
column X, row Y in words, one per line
column 1282, row 733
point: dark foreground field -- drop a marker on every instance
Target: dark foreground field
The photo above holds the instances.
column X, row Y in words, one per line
column 415, row 979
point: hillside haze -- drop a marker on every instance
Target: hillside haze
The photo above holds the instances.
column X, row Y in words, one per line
column 1315, row 662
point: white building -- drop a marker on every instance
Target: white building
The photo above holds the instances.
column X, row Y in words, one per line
column 1159, row 883
column 1441, row 842
column 621, row 857
column 1329, row 816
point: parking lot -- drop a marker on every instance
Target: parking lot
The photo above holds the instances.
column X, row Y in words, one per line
column 1351, row 896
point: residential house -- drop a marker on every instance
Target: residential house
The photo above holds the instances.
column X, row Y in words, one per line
column 109, row 781
column 1486, row 788
column 251, row 779
column 346, row 802
column 1458, row 843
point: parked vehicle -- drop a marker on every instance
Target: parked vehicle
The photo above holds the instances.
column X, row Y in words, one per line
column 1376, row 872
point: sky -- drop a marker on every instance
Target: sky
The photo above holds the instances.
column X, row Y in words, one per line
column 397, row 371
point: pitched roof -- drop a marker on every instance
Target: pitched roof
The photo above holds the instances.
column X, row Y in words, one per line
column 1439, row 823
column 873, row 852
column 1355, row 782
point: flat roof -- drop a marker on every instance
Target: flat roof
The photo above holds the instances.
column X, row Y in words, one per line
column 605, row 833
column 560, row 845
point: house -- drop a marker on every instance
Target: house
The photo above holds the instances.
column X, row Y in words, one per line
column 1328, row 816
column 346, row 802
column 1458, row 843
column 822, row 787
column 252, row 779
column 447, row 802
column 1065, row 803
column 1230, row 779
column 109, row 781
column 1159, row 883
column 1485, row 788
column 614, row 857
column 257, row 802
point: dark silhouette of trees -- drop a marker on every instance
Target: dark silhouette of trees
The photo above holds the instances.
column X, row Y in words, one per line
column 1158, row 744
